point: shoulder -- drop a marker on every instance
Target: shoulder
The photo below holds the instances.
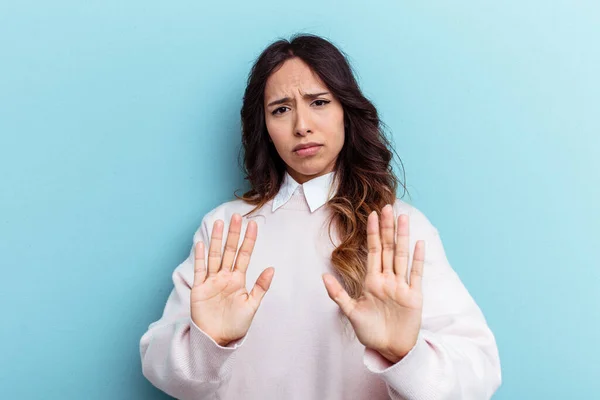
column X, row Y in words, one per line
column 420, row 225
column 421, row 228
column 225, row 211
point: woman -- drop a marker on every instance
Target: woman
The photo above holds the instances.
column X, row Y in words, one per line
column 363, row 304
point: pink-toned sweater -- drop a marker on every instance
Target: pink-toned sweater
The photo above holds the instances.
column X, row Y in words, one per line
column 297, row 346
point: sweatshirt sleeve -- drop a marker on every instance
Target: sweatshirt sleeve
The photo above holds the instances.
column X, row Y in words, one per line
column 455, row 356
column 177, row 356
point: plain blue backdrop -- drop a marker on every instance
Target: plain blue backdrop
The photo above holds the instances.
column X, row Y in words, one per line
column 119, row 130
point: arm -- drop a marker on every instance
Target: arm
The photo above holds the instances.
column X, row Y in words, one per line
column 455, row 356
column 177, row 356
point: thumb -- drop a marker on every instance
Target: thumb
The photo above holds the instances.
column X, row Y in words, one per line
column 338, row 294
column 263, row 282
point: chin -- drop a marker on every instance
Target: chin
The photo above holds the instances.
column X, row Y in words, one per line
column 310, row 170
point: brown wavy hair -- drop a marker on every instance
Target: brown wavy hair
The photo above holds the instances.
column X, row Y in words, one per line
column 363, row 167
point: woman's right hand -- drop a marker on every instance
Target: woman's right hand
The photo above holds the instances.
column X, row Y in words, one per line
column 220, row 304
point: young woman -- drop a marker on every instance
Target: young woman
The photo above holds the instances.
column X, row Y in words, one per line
column 354, row 297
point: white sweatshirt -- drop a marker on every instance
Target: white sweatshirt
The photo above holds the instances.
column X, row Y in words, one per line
column 297, row 346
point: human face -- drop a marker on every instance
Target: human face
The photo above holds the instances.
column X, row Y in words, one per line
column 299, row 110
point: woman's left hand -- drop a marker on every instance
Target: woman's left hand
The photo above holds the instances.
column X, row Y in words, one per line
column 387, row 316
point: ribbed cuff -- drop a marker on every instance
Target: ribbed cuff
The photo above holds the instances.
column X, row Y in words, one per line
column 418, row 375
column 211, row 361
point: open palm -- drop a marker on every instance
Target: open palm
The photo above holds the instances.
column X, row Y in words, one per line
column 387, row 316
column 220, row 304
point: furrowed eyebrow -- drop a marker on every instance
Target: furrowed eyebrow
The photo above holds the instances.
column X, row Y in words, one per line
column 306, row 96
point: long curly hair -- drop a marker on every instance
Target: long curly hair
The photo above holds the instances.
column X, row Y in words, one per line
column 363, row 167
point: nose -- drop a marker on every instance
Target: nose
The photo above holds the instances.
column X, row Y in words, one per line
column 303, row 124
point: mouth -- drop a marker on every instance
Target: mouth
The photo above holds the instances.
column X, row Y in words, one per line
column 306, row 146
column 309, row 149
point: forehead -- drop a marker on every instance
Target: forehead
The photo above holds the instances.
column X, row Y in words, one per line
column 293, row 76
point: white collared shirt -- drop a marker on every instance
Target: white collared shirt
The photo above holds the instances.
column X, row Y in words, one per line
column 317, row 191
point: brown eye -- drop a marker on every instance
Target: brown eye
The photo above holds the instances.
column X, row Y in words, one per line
column 278, row 109
column 321, row 101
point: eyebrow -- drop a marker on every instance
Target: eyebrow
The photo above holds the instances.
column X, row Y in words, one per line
column 306, row 96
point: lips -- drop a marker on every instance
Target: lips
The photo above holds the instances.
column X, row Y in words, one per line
column 306, row 145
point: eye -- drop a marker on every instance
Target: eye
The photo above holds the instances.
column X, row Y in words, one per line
column 276, row 111
column 323, row 102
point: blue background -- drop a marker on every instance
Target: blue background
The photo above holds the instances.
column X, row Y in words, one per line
column 119, row 130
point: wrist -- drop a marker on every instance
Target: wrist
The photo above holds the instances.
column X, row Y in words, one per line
column 391, row 356
column 395, row 355
column 216, row 339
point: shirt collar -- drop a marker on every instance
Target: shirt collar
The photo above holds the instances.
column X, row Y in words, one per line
column 317, row 191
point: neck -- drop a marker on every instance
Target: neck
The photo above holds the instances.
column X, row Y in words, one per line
column 301, row 178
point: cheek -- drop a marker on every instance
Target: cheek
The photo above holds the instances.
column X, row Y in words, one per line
column 337, row 128
column 277, row 132
column 273, row 129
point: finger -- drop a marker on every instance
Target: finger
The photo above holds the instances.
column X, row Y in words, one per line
column 214, row 250
column 337, row 293
column 416, row 273
column 402, row 246
column 231, row 245
column 243, row 257
column 263, row 283
column 373, row 244
column 199, row 264
column 387, row 239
